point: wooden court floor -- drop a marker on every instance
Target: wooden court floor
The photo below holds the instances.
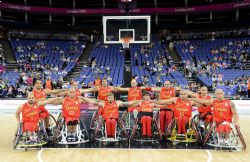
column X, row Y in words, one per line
column 7, row 154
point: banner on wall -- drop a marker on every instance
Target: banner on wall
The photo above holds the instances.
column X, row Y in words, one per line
column 213, row 7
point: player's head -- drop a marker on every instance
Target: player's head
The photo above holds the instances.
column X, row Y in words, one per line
column 146, row 96
column 104, row 82
column 30, row 98
column 133, row 83
column 75, row 85
column 167, row 84
column 38, row 84
column 110, row 97
column 184, row 94
column 203, row 91
column 219, row 94
column 72, row 92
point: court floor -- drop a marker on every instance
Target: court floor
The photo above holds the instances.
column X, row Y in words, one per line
column 7, row 154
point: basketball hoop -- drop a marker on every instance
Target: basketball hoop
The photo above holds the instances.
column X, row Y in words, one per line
column 125, row 41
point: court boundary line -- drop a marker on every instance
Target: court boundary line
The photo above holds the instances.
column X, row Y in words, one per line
column 39, row 155
column 210, row 157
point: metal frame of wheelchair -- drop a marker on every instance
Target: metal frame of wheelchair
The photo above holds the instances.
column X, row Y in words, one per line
column 136, row 134
column 192, row 135
column 42, row 138
column 235, row 139
column 98, row 129
column 61, row 132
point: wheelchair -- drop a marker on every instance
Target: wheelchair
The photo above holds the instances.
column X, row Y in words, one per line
column 136, row 134
column 235, row 140
column 193, row 131
column 98, row 129
column 62, row 137
column 20, row 140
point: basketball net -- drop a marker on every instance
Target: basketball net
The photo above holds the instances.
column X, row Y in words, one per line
column 125, row 42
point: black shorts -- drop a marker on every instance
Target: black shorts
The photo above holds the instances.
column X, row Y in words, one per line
column 74, row 122
column 141, row 114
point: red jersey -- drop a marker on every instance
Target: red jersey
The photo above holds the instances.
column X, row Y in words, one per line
column 182, row 108
column 110, row 110
column 147, row 106
column 166, row 94
column 204, row 108
column 134, row 93
column 71, row 107
column 30, row 113
column 103, row 93
column 39, row 95
column 222, row 111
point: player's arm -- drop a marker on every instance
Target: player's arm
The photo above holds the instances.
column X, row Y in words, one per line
column 54, row 91
column 202, row 101
column 120, row 89
column 127, row 104
column 235, row 113
column 155, row 89
column 164, row 102
column 18, row 112
column 62, row 94
column 92, row 101
column 192, row 94
column 159, row 106
column 196, row 104
column 53, row 101
column 93, row 89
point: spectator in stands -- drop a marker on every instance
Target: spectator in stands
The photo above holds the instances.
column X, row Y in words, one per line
column 219, row 79
column 30, row 80
column 158, row 81
column 248, row 86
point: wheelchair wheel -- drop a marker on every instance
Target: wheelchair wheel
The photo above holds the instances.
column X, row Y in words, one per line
column 18, row 135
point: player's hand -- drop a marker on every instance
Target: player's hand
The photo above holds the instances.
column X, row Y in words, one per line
column 236, row 123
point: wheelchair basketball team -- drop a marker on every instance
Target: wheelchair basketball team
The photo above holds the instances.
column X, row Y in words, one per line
column 170, row 117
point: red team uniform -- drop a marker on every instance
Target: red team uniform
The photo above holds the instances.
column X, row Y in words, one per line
column 110, row 114
column 222, row 115
column 103, row 93
column 30, row 117
column 71, row 109
column 182, row 114
column 134, row 93
column 40, row 96
column 205, row 111
column 146, row 113
column 166, row 115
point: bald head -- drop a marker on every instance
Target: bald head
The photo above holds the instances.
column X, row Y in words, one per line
column 203, row 91
column 184, row 94
column 72, row 92
column 219, row 94
column 31, row 99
